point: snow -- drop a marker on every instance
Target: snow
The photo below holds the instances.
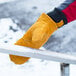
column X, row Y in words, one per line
column 63, row 40
column 5, row 1
column 7, row 33
column 31, row 68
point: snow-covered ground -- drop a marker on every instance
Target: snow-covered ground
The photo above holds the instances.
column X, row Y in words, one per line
column 10, row 32
column 5, row 1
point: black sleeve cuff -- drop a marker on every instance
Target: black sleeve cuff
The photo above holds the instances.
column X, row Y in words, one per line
column 57, row 15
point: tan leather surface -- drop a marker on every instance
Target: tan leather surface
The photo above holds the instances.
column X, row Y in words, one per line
column 36, row 36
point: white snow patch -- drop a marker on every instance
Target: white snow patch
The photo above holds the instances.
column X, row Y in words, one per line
column 5, row 1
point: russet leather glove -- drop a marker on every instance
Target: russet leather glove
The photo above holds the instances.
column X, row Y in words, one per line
column 36, row 36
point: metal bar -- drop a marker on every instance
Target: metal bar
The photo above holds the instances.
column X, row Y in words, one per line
column 37, row 53
column 64, row 69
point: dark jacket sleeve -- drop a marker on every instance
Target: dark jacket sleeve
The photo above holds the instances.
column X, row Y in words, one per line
column 66, row 12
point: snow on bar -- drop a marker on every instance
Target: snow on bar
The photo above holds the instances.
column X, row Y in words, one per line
column 37, row 53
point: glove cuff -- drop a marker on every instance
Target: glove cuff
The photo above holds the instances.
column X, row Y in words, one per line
column 58, row 17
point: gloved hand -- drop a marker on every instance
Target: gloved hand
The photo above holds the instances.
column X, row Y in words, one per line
column 36, row 36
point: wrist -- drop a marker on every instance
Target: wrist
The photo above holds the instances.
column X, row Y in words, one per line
column 58, row 16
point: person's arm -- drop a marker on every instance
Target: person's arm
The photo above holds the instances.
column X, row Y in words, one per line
column 66, row 12
column 39, row 33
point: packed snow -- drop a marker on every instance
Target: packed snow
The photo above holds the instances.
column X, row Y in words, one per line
column 63, row 40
